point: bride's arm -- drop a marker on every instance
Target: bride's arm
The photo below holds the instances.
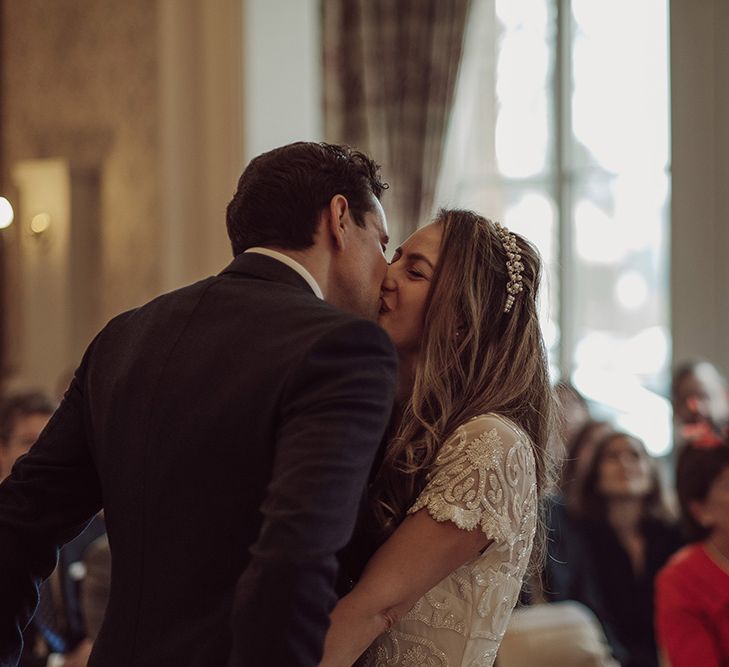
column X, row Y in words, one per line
column 418, row 555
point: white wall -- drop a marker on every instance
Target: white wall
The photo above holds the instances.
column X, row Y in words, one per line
column 237, row 78
column 700, row 165
column 283, row 82
column 46, row 301
column 200, row 50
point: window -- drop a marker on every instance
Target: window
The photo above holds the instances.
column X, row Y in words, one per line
column 561, row 130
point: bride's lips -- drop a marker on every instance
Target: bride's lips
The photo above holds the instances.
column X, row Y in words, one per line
column 384, row 308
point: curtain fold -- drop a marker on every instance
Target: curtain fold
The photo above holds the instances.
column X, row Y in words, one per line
column 390, row 72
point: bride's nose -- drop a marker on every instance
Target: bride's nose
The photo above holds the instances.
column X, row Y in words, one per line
column 389, row 284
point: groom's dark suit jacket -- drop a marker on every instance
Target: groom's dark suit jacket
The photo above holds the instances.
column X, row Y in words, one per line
column 227, row 429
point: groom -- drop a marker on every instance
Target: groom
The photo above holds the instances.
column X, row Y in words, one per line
column 227, row 430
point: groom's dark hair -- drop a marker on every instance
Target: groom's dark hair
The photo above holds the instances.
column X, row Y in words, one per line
column 281, row 193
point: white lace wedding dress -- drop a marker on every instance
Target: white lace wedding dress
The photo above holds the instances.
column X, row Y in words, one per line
column 484, row 479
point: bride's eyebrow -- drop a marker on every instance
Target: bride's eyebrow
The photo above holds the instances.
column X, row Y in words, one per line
column 415, row 256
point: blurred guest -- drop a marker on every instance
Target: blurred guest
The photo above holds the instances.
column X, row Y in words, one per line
column 575, row 425
column 97, row 585
column 692, row 590
column 563, row 632
column 573, row 408
column 627, row 537
column 699, row 394
column 56, row 637
column 22, row 418
column 565, row 575
column 580, row 453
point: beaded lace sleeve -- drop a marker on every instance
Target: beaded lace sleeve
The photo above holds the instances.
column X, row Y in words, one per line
column 483, row 477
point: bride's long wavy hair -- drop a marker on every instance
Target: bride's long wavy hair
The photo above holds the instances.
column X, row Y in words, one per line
column 497, row 363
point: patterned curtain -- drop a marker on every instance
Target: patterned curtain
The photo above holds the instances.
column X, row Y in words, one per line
column 390, row 70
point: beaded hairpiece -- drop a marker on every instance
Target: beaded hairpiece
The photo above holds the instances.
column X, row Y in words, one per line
column 514, row 267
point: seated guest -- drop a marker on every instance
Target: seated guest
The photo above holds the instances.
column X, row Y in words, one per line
column 627, row 537
column 580, row 452
column 22, row 418
column 699, row 395
column 564, row 569
column 97, row 584
column 56, row 636
column 692, row 590
column 574, row 412
column 564, row 632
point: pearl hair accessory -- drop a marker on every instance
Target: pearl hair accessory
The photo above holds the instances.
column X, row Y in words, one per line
column 514, row 267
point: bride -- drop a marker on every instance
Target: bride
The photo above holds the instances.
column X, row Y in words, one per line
column 456, row 499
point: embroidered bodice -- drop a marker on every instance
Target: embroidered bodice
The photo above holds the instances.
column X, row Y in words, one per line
column 483, row 479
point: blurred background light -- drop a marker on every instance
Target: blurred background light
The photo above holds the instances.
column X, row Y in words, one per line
column 40, row 223
column 6, row 213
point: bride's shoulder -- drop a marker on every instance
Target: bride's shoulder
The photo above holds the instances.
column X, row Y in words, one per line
column 508, row 431
column 479, row 470
column 491, row 440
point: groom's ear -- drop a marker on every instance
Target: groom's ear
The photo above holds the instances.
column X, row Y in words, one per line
column 337, row 218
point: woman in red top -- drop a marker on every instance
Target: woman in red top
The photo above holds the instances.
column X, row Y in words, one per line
column 692, row 590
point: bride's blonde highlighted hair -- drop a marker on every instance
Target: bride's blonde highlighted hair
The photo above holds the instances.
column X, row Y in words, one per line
column 497, row 362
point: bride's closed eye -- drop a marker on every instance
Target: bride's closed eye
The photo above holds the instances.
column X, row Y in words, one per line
column 416, row 274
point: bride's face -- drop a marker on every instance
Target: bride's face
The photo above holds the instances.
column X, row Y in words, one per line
column 406, row 285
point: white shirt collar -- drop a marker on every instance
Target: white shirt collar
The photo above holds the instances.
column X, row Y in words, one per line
column 293, row 264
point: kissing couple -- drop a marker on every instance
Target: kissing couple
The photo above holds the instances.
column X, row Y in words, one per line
column 310, row 414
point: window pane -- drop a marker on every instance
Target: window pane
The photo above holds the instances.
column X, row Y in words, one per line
column 619, row 282
column 523, row 84
column 620, row 75
column 500, row 148
column 619, row 152
column 501, row 124
column 601, row 223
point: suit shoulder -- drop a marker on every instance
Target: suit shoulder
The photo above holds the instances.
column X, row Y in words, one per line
column 162, row 301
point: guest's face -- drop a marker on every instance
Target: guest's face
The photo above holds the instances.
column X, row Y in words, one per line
column 713, row 512
column 405, row 289
column 624, row 470
column 24, row 433
column 700, row 396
